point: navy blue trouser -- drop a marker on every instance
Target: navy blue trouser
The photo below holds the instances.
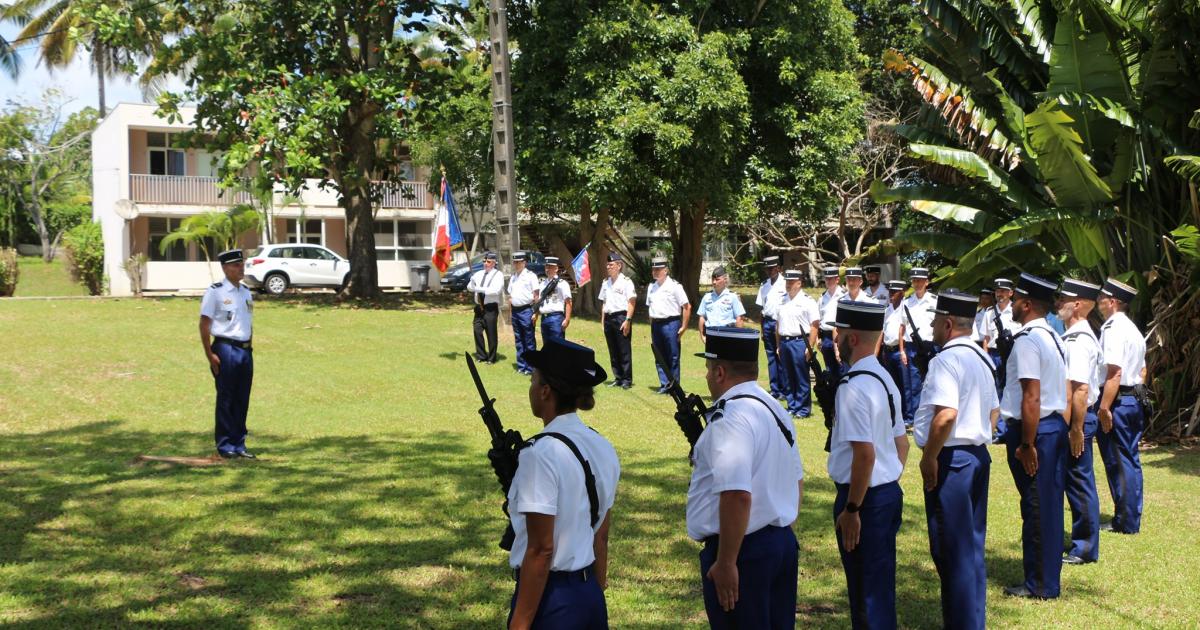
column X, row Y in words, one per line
column 797, row 390
column 912, row 384
column 522, row 323
column 767, row 563
column 570, row 601
column 1123, row 464
column 620, row 353
column 829, row 356
column 665, row 335
column 956, row 511
column 552, row 327
column 768, row 338
column 1082, row 497
column 233, row 382
column 1001, row 426
column 891, row 363
column 1042, row 498
column 871, row 567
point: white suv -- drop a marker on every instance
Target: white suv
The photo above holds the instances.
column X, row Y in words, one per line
column 274, row 268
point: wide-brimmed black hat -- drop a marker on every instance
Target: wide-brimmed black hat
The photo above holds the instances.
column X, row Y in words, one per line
column 1036, row 288
column 859, row 316
column 956, row 303
column 1073, row 288
column 1119, row 290
column 727, row 343
column 231, row 256
column 567, row 361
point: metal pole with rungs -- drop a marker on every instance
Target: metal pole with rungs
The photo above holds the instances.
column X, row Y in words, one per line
column 507, row 230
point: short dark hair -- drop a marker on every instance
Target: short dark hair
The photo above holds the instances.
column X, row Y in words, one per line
column 741, row 369
column 569, row 396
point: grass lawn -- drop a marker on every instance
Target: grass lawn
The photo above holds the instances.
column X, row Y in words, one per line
column 373, row 505
column 40, row 278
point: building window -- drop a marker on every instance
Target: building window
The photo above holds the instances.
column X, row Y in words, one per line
column 165, row 156
column 310, row 231
column 403, row 240
column 160, row 227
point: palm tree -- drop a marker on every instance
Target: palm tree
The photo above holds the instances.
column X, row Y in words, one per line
column 1046, row 128
column 54, row 21
column 217, row 230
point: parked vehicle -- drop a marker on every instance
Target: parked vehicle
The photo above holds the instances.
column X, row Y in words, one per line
column 274, row 268
column 457, row 277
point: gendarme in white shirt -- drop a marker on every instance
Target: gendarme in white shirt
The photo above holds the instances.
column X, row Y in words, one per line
column 556, row 300
column 745, row 450
column 891, row 325
column 797, row 315
column 880, row 293
column 1006, row 319
column 1125, row 347
column 489, row 284
column 960, row 378
column 770, row 295
column 549, row 480
column 521, row 287
column 1037, row 354
column 231, row 308
column 829, row 310
column 823, row 303
column 921, row 309
column 666, row 299
column 1085, row 360
column 616, row 295
column 863, row 415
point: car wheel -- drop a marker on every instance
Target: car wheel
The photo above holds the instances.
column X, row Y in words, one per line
column 276, row 283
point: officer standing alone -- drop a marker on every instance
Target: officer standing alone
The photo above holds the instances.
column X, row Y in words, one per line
column 225, row 334
column 486, row 286
column 619, row 299
column 522, row 293
column 1036, row 436
column 1122, row 416
column 745, row 492
column 868, row 449
column 1085, row 376
column 669, row 314
column 953, row 428
column 769, row 294
column 561, row 497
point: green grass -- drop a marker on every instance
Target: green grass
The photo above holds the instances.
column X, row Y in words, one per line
column 46, row 279
column 372, row 503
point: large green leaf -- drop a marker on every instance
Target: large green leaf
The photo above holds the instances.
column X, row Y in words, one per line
column 948, row 245
column 982, row 34
column 1087, row 242
column 1026, row 255
column 946, row 203
column 1024, row 227
column 1034, row 17
column 977, row 168
column 1082, row 63
column 1188, row 166
column 1069, row 172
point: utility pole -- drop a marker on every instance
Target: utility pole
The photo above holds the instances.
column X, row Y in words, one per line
column 507, row 230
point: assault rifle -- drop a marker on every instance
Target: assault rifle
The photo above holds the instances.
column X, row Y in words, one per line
column 506, row 447
column 924, row 348
column 547, row 292
column 1004, row 345
column 689, row 408
column 825, row 390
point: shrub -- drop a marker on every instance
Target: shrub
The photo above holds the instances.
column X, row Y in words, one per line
column 9, row 272
column 85, row 256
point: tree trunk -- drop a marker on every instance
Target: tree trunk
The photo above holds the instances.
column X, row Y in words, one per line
column 354, row 171
column 99, row 66
column 591, row 235
column 689, row 251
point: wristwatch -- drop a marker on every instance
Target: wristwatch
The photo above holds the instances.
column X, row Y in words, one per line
column 1026, row 445
column 851, row 507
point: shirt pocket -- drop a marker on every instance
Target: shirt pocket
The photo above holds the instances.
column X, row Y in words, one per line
column 226, row 313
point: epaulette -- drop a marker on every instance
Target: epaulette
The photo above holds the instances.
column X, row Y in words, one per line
column 216, row 285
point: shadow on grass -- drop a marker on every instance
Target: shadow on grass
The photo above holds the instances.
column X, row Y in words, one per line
column 1180, row 457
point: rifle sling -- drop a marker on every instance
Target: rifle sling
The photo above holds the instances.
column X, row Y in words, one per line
column 973, row 350
column 891, row 401
column 787, row 435
column 589, row 479
column 1053, row 337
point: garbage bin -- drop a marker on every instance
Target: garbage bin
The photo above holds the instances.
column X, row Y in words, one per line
column 420, row 280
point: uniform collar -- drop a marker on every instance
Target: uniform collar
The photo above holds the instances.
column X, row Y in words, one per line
column 1117, row 315
column 1035, row 324
column 666, row 281
column 866, row 362
column 748, row 387
column 227, row 285
column 716, row 295
column 1081, row 326
column 964, row 340
column 837, row 292
column 565, row 421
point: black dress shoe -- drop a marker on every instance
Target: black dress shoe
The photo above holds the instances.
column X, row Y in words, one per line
column 613, row 384
column 246, row 455
column 1019, row 591
column 626, row 385
column 1107, row 527
column 1069, row 559
column 227, row 454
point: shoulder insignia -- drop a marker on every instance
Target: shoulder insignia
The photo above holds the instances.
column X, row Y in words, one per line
column 228, row 301
column 216, row 285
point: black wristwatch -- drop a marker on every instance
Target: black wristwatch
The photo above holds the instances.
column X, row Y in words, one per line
column 1026, row 445
column 851, row 507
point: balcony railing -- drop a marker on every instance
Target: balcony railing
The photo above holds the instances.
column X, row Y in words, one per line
column 204, row 191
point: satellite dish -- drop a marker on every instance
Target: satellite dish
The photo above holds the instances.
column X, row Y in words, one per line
column 126, row 209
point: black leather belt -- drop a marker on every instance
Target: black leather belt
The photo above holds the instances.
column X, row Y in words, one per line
column 244, row 345
column 581, row 575
column 790, row 337
column 1127, row 390
column 607, row 315
column 663, row 320
column 895, row 348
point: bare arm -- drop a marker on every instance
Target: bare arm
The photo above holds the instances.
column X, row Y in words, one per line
column 214, row 362
column 860, row 479
column 687, row 316
column 739, row 321
column 535, row 568
column 1077, row 395
column 1031, row 411
column 939, row 431
column 734, row 514
column 600, row 549
column 1112, row 385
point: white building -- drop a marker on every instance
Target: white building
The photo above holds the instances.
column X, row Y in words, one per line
column 144, row 185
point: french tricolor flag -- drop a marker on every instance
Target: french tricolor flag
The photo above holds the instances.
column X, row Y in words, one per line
column 581, row 267
column 446, row 233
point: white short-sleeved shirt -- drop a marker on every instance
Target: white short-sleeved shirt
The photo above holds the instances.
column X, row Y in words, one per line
column 880, row 293
column 1125, row 347
column 979, row 328
column 863, row 415
column 743, row 449
column 960, row 377
column 1006, row 319
column 666, row 299
column 556, row 300
column 796, row 315
column 521, row 287
column 1085, row 360
column 1037, row 354
column 549, row 480
column 616, row 295
column 230, row 308
column 823, row 304
column 487, row 284
column 921, row 309
column 769, row 294
column 721, row 310
column 829, row 310
column 891, row 325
